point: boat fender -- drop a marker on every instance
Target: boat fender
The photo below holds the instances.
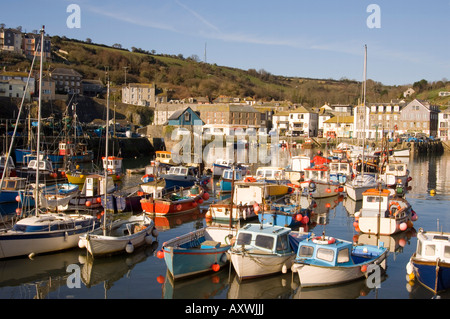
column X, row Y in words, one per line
column 394, row 205
column 284, row 269
column 155, row 232
column 250, row 179
column 224, row 258
column 81, row 244
column 148, row 239
column 129, row 248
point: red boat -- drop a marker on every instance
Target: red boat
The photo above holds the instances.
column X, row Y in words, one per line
column 177, row 202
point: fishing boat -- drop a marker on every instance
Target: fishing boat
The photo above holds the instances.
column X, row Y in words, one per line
column 182, row 200
column 122, row 235
column 8, row 164
column 164, row 157
column 296, row 171
column 225, row 180
column 11, row 187
column 295, row 212
column 57, row 196
column 43, row 232
column 395, row 173
column 324, row 260
column 74, row 152
column 383, row 213
column 317, row 183
column 113, row 165
column 46, row 171
column 198, row 252
column 92, row 190
column 401, row 152
column 359, row 184
column 262, row 250
column 340, row 171
column 180, row 176
column 220, row 165
column 274, row 175
column 430, row 263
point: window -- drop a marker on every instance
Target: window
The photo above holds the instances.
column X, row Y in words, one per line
column 264, row 241
column 430, row 250
column 343, row 256
column 325, row 254
column 447, row 251
column 282, row 243
column 244, row 239
column 306, row 251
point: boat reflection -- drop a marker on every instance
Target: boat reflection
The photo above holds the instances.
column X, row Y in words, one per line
column 164, row 223
column 394, row 243
column 272, row 287
column 201, row 287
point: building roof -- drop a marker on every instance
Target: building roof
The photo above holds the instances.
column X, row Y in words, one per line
column 64, row 71
column 340, row 119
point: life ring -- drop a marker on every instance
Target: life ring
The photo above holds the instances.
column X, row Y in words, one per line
column 250, row 179
column 323, row 240
column 312, row 185
column 395, row 205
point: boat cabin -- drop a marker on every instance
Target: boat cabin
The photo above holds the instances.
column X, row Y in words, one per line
column 44, row 165
column 264, row 239
column 271, row 173
column 396, row 169
column 375, row 201
column 228, row 175
column 317, row 173
column 182, row 171
column 433, row 245
column 14, row 183
column 340, row 171
column 299, row 163
column 164, row 157
column 3, row 162
column 66, row 148
column 94, row 185
column 325, row 251
column 113, row 164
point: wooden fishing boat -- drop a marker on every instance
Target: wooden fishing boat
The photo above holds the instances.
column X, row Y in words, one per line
column 430, row 263
column 323, row 261
column 296, row 212
column 176, row 202
column 113, row 165
column 261, row 250
column 395, row 173
column 198, row 252
column 317, row 183
column 359, row 184
column 92, row 190
column 384, row 214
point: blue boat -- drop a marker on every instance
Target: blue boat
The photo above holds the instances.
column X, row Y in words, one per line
column 10, row 189
column 288, row 215
column 430, row 264
column 198, row 252
column 182, row 176
column 323, row 261
column 226, row 179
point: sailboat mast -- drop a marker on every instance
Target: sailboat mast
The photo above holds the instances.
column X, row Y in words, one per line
column 364, row 108
column 39, row 120
column 106, row 156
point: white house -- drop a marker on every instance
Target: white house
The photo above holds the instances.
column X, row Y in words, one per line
column 280, row 121
column 339, row 126
column 444, row 124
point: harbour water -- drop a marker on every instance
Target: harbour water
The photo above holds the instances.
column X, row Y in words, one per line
column 142, row 275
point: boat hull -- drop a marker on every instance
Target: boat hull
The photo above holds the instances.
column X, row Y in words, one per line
column 250, row 265
column 320, row 189
column 311, row 275
column 425, row 271
column 384, row 225
column 221, row 211
column 98, row 244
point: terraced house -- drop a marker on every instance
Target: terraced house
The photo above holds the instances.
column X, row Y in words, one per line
column 419, row 116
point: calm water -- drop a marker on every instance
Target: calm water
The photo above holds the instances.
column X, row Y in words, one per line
column 143, row 275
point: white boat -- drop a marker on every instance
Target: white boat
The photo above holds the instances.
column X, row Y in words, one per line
column 340, row 171
column 269, row 174
column 92, row 190
column 220, row 165
column 43, row 232
column 384, row 214
column 324, row 261
column 123, row 235
column 317, row 183
column 404, row 152
column 395, row 173
column 359, row 184
column 262, row 250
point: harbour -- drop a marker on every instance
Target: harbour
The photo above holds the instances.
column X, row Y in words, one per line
column 143, row 275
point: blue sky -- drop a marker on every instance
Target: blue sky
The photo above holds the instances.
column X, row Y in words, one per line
column 316, row 39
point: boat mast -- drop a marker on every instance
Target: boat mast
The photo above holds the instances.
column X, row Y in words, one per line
column 364, row 109
column 39, row 121
column 106, row 157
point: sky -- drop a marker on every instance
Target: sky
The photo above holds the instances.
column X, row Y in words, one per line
column 407, row 40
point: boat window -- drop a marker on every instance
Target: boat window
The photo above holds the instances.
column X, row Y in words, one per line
column 373, row 199
column 282, row 243
column 430, row 250
column 325, row 254
column 260, row 173
column 264, row 241
column 344, row 167
column 334, row 167
column 244, row 239
column 343, row 256
column 11, row 184
column 305, row 251
column 227, row 175
column 269, row 173
column 447, row 251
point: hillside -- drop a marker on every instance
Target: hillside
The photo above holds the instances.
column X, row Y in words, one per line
column 184, row 77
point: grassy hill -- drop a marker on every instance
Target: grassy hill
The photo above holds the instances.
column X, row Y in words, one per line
column 184, row 77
